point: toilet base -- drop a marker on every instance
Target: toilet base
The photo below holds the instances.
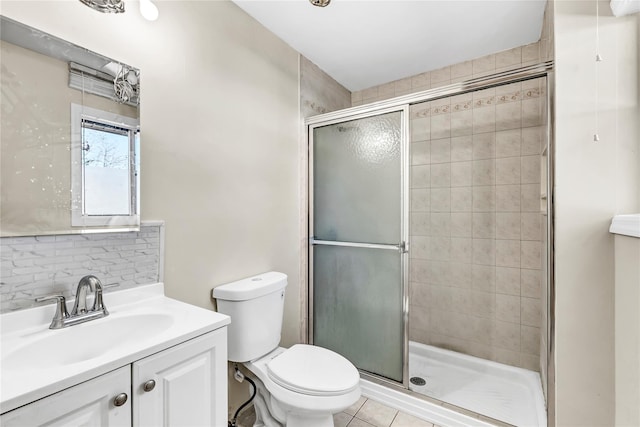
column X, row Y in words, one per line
column 270, row 414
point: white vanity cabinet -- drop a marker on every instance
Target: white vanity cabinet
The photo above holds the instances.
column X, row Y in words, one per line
column 183, row 385
column 91, row 403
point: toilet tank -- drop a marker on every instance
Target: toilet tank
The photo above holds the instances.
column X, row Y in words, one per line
column 256, row 307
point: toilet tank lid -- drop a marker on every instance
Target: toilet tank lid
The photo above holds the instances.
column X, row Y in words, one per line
column 251, row 287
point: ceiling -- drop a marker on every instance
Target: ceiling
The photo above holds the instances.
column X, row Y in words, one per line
column 364, row 43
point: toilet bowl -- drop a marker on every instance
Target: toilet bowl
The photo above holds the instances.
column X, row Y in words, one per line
column 302, row 386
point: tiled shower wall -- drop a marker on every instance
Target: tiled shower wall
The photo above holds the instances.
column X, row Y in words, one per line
column 41, row 265
column 475, row 259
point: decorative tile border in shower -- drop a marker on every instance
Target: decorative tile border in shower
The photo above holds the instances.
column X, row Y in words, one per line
column 468, row 102
column 34, row 266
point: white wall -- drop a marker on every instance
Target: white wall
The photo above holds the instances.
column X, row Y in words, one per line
column 220, row 128
column 594, row 181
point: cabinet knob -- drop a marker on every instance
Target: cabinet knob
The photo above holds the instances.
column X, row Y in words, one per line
column 149, row 385
column 120, row 399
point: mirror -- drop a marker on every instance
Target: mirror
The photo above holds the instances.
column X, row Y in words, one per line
column 69, row 145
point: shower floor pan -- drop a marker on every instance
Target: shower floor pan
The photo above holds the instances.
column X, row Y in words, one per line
column 506, row 393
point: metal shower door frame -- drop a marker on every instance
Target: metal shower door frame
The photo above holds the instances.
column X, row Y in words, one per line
column 402, row 247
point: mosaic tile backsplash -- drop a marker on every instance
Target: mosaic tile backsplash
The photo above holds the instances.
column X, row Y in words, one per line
column 42, row 265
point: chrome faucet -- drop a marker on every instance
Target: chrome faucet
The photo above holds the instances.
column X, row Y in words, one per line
column 79, row 313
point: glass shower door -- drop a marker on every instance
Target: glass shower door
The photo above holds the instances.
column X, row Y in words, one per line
column 357, row 244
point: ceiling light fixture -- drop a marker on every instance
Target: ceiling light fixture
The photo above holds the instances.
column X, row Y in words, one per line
column 148, row 10
column 320, row 3
column 105, row 6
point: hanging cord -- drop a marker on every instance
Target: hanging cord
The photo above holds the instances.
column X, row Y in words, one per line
column 596, row 137
column 239, row 376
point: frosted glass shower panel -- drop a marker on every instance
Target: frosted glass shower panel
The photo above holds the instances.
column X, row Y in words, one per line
column 357, row 180
column 357, row 306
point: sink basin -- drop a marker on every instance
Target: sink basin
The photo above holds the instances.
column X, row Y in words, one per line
column 80, row 343
column 36, row 361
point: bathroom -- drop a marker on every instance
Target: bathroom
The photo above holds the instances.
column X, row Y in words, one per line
column 224, row 163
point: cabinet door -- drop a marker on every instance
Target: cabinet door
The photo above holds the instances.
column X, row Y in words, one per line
column 189, row 384
column 89, row 404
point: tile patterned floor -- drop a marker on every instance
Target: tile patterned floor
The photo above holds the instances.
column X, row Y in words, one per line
column 369, row 413
column 364, row 413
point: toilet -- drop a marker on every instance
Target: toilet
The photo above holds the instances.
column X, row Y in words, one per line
column 302, row 386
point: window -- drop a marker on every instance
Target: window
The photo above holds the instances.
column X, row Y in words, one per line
column 105, row 177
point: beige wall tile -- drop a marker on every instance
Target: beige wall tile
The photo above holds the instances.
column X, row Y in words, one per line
column 418, row 270
column 420, row 110
column 531, row 53
column 507, row 357
column 461, row 199
column 461, row 221
column 461, row 123
column 507, row 334
column 440, row 248
column 531, row 112
column 507, row 58
column 530, row 254
column 420, row 153
column 508, row 170
column 508, row 198
column 484, row 119
column 508, row 226
column 371, row 92
column 508, row 310
column 461, row 70
column 532, row 138
column 439, row 272
column 484, row 64
column 508, row 280
column 530, row 312
column 461, row 174
column 530, row 198
column 508, row 143
column 484, row 225
column 507, row 253
column 420, row 176
column 441, row 175
column 460, row 275
column 441, row 150
column 440, row 200
column 440, row 125
column 420, row 200
column 530, row 169
column 530, row 340
column 420, row 247
column 402, row 86
column 508, row 116
column 461, row 249
column 530, row 283
column 530, row 361
column 420, row 223
column 483, row 277
column 484, row 145
column 530, row 226
column 484, row 198
column 440, row 76
column 420, row 129
column 484, row 172
column 461, row 148
column 441, row 224
column 421, row 81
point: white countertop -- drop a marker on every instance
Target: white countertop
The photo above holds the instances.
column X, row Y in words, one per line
column 23, row 381
column 627, row 225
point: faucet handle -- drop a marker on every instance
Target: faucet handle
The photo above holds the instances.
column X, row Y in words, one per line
column 61, row 310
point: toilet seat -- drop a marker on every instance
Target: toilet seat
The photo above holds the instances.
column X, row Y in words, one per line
column 313, row 371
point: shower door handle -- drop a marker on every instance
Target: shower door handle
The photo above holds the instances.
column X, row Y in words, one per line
column 401, row 247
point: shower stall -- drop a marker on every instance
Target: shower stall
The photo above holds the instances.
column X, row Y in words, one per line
column 429, row 254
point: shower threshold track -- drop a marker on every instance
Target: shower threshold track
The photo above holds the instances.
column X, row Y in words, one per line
column 490, row 390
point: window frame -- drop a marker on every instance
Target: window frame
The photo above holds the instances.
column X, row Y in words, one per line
column 79, row 217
